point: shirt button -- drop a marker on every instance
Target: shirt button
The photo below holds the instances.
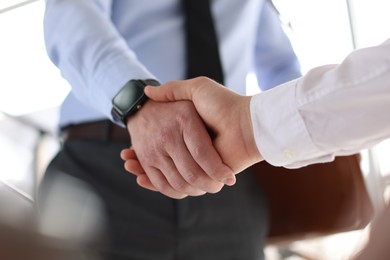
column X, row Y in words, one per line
column 289, row 153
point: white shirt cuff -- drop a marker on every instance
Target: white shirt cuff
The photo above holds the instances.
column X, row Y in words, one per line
column 280, row 133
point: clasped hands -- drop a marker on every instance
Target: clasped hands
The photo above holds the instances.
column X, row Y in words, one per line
column 192, row 137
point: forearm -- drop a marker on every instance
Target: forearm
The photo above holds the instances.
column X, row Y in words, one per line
column 333, row 110
column 82, row 41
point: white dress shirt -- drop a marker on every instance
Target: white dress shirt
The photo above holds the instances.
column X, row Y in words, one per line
column 332, row 110
column 99, row 45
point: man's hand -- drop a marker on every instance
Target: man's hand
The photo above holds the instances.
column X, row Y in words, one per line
column 226, row 114
column 172, row 151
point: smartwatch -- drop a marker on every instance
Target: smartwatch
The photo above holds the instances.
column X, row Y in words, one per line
column 130, row 98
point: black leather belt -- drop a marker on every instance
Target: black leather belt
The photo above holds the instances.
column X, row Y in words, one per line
column 98, row 130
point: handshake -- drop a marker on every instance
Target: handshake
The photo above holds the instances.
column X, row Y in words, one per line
column 190, row 138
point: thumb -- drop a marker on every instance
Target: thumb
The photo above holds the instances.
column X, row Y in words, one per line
column 170, row 91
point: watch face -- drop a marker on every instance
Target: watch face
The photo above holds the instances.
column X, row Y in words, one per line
column 130, row 98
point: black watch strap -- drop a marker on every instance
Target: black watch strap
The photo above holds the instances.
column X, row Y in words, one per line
column 130, row 98
column 150, row 82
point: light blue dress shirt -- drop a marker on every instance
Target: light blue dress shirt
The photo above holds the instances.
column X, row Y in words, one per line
column 99, row 45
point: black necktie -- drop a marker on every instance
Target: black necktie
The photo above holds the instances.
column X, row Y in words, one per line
column 202, row 43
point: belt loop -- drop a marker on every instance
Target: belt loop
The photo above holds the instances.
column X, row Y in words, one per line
column 106, row 131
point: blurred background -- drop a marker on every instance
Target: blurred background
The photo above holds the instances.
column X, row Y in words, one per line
column 31, row 90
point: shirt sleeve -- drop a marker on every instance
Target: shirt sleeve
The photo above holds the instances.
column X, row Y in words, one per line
column 90, row 53
column 332, row 110
column 275, row 61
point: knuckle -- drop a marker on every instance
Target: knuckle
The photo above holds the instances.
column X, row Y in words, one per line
column 182, row 117
column 199, row 193
column 181, row 196
column 191, row 178
column 197, row 151
column 202, row 79
column 159, row 186
column 181, row 186
column 174, row 193
column 184, row 187
column 217, row 174
column 217, row 188
column 165, row 136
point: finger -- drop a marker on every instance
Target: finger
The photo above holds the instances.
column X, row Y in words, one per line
column 153, row 179
column 192, row 173
column 134, row 167
column 144, row 181
column 171, row 91
column 175, row 177
column 204, row 153
column 128, row 153
column 172, row 177
column 132, row 163
column 161, row 184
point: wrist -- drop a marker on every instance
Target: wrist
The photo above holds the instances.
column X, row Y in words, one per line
column 248, row 133
column 142, row 114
